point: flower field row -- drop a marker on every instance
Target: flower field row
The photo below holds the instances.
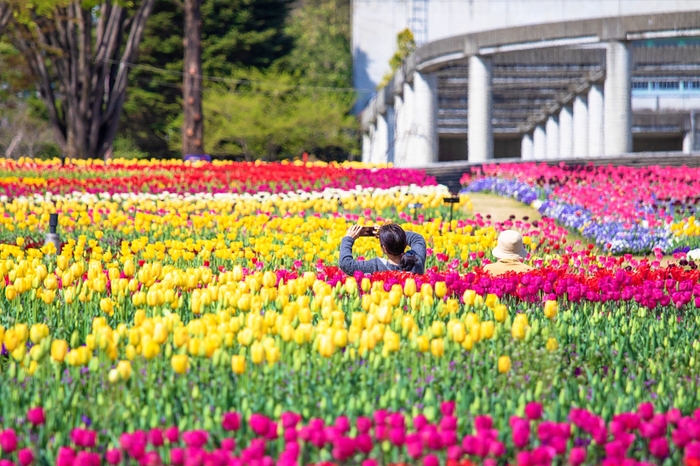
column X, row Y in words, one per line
column 27, row 177
column 188, row 321
column 622, row 209
column 397, row 439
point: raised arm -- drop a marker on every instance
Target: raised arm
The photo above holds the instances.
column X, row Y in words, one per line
column 346, row 262
column 417, row 244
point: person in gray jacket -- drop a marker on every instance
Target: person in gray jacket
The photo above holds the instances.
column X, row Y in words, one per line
column 393, row 240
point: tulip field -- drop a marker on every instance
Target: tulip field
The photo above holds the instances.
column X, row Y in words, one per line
column 195, row 315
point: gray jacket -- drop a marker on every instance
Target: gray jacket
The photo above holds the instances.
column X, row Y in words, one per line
column 349, row 265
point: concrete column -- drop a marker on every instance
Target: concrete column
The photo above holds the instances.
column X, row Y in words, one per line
column 539, row 142
column 396, row 147
column 390, row 132
column 480, row 131
column 422, row 147
column 380, row 144
column 404, row 126
column 366, row 147
column 552, row 129
column 566, row 133
column 688, row 142
column 527, row 148
column 595, row 121
column 618, row 99
column 580, row 127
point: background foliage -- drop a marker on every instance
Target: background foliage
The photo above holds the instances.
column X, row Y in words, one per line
column 279, row 83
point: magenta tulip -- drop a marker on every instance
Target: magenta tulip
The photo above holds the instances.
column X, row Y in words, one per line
column 533, row 411
column 577, row 456
column 36, row 416
column 231, row 421
column 25, row 456
column 8, row 441
column 113, row 456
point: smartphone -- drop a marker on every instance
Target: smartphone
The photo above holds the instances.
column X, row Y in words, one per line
column 369, row 231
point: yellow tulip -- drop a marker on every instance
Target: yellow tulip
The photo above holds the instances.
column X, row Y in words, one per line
column 179, row 363
column 124, row 370
column 487, row 329
column 551, row 309
column 440, row 289
column 238, row 364
column 257, row 352
column 552, row 344
column 468, row 343
column 426, row 290
column 458, row 332
column 272, row 355
column 438, row 328
column 59, row 350
column 469, row 297
column 518, row 331
column 504, row 364
column 423, row 343
column 500, row 312
column 11, row 340
column 409, row 287
column 437, row 347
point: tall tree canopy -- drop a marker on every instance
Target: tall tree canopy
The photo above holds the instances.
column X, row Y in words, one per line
column 78, row 54
column 235, row 34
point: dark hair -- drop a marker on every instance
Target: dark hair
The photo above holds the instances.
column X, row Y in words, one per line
column 393, row 239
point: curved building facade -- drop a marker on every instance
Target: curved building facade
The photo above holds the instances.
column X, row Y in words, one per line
column 528, row 79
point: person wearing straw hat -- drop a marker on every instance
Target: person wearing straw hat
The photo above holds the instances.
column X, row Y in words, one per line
column 510, row 253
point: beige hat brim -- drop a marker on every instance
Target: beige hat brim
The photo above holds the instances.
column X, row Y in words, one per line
column 501, row 254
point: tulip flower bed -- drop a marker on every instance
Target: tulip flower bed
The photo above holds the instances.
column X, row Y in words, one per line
column 621, row 209
column 27, row 177
column 197, row 326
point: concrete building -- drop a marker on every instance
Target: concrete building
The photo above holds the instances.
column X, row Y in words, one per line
column 529, row 79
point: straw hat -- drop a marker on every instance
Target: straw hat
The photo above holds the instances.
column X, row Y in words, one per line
column 510, row 246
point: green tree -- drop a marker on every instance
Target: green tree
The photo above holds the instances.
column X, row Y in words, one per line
column 270, row 115
column 235, row 33
column 321, row 53
column 73, row 49
column 405, row 45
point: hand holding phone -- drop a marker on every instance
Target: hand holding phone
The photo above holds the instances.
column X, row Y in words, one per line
column 371, row 230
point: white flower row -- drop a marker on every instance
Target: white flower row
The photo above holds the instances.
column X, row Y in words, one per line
column 327, row 194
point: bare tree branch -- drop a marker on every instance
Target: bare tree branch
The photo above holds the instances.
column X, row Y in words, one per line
column 80, row 65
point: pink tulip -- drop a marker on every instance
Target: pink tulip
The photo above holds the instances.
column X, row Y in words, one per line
column 483, row 422
column 533, row 411
column 231, row 421
column 646, row 411
column 397, row 436
column 577, row 456
column 259, row 424
column 8, row 441
column 228, row 444
column 447, row 408
column 36, row 416
column 363, row 424
column 172, row 434
column 419, row 422
column 155, row 436
column 113, row 456
column 414, row 449
column 65, row 456
column 521, row 434
column 431, row 460
column 658, row 447
column 25, row 456
column 370, row 462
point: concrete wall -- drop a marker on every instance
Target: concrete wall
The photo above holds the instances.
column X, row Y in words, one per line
column 377, row 22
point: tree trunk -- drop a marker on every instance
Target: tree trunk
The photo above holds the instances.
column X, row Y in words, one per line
column 80, row 63
column 193, row 127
